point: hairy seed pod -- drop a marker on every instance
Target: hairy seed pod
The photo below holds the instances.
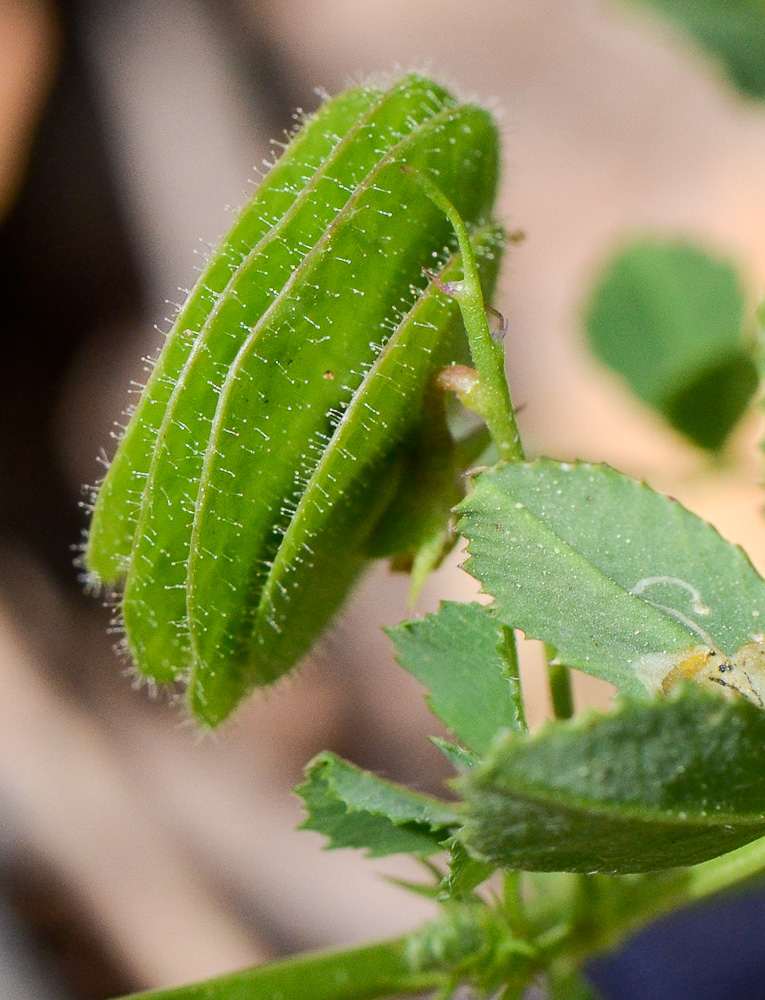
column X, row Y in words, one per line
column 292, row 392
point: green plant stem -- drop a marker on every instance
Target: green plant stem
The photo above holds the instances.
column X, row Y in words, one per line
column 508, row 651
column 653, row 896
column 729, row 870
column 560, row 690
column 493, row 399
column 559, row 679
column 376, row 970
column 512, row 885
column 604, row 917
column 693, row 885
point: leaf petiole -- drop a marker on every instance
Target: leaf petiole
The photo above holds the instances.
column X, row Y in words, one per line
column 559, row 680
column 491, row 396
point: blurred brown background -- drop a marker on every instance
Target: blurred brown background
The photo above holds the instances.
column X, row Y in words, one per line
column 132, row 852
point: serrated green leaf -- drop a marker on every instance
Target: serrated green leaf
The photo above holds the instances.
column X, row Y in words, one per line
column 668, row 317
column 622, row 581
column 354, row 808
column 733, row 31
column 651, row 786
column 458, row 756
column 455, row 654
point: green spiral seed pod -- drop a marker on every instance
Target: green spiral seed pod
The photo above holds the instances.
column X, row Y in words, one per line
column 293, row 391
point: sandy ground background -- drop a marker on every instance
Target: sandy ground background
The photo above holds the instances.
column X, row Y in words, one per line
column 176, row 856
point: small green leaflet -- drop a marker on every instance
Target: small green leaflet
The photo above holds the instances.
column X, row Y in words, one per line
column 669, row 318
column 733, row 31
column 616, row 577
column 650, row 786
column 455, row 654
column 457, row 756
column 354, row 808
column 292, row 392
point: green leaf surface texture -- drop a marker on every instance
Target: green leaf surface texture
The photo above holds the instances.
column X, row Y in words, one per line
column 650, row 786
column 668, row 318
column 733, row 31
column 285, row 415
column 454, row 653
column 621, row 580
column 354, row 808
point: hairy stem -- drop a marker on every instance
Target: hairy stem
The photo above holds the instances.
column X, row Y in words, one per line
column 493, row 396
column 376, row 970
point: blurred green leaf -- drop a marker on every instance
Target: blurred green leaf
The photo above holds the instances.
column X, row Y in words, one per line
column 573, row 986
column 622, row 581
column 354, row 808
column 653, row 785
column 732, row 31
column 669, row 319
column 455, row 653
